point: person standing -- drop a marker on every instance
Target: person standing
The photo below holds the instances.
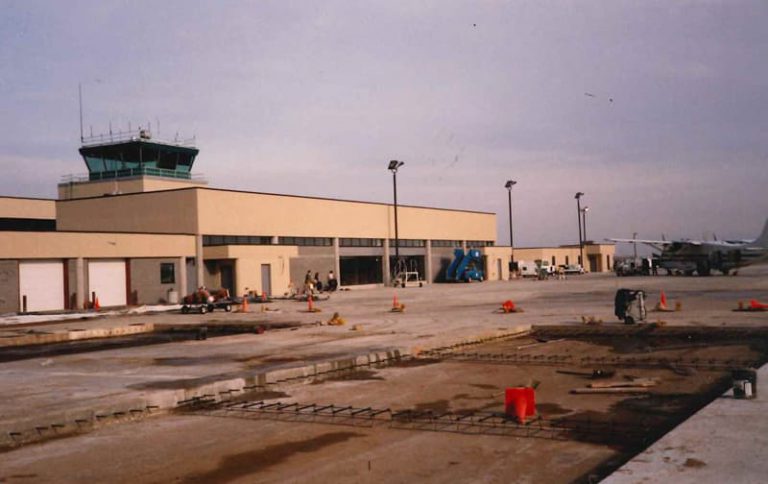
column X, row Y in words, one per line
column 332, row 283
column 309, row 283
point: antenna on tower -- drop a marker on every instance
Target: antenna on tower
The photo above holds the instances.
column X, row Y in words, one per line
column 80, row 99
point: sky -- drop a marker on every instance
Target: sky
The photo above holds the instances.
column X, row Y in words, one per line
column 656, row 110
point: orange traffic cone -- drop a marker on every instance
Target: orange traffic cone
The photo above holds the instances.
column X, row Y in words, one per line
column 96, row 305
column 397, row 307
column 522, row 401
column 508, row 306
column 757, row 306
column 244, row 306
column 310, row 305
column 662, row 304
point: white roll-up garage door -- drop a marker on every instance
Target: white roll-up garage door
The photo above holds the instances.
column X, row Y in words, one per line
column 107, row 279
column 43, row 284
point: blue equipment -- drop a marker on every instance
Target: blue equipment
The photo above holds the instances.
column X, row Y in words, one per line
column 465, row 267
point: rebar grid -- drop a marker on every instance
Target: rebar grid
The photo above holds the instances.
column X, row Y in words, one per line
column 471, row 423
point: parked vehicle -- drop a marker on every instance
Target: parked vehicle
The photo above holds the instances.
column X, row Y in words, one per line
column 528, row 268
column 572, row 269
column 541, row 269
column 202, row 301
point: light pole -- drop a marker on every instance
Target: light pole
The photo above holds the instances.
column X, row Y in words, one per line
column 508, row 186
column 578, row 216
column 584, row 222
column 394, row 165
column 634, row 244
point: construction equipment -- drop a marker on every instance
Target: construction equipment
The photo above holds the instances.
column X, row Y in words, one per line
column 202, row 301
column 629, row 305
column 465, row 267
column 408, row 279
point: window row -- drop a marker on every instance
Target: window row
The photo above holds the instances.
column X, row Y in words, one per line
column 348, row 242
column 408, row 243
column 446, row 243
column 479, row 243
column 209, row 240
column 306, row 241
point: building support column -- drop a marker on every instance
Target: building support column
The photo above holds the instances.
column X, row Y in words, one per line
column 79, row 283
column 385, row 264
column 199, row 261
column 182, row 277
column 428, row 263
column 336, row 261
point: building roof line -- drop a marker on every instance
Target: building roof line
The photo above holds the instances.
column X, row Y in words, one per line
column 277, row 195
column 29, row 198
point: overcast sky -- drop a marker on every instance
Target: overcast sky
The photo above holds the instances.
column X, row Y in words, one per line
column 658, row 111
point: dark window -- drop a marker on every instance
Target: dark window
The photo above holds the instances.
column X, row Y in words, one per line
column 27, row 224
column 306, row 241
column 479, row 243
column 209, row 240
column 167, row 273
column 446, row 243
column 407, row 242
column 360, row 270
column 349, row 242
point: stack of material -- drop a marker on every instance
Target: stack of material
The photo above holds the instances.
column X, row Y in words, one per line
column 636, row 385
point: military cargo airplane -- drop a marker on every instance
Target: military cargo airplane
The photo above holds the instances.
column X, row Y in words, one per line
column 699, row 256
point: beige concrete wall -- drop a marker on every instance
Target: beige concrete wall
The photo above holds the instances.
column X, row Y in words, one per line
column 236, row 213
column 11, row 207
column 315, row 259
column 9, row 286
column 493, row 256
column 145, row 280
column 68, row 191
column 248, row 260
column 441, row 259
column 600, row 251
column 58, row 245
column 160, row 212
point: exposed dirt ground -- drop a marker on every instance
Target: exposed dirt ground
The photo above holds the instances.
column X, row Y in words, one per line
column 218, row 447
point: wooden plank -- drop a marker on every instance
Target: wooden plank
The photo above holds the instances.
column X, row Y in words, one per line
column 609, row 390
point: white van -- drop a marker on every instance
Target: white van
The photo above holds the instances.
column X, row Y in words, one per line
column 528, row 268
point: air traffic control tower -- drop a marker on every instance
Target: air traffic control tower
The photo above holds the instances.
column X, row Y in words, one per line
column 131, row 162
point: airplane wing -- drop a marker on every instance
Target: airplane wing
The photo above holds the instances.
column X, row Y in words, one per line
column 656, row 244
column 643, row 241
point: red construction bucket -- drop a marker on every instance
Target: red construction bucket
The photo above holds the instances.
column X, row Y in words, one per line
column 520, row 402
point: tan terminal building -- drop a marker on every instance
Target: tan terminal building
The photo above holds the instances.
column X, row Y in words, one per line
column 141, row 229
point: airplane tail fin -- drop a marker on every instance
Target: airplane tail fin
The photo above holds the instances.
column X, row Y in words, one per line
column 762, row 240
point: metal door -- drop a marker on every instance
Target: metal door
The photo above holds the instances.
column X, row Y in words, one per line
column 42, row 282
column 107, row 278
column 266, row 279
column 227, row 277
